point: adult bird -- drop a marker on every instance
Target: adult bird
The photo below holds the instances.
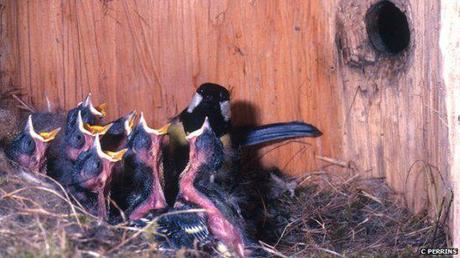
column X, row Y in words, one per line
column 137, row 187
column 91, row 175
column 213, row 101
column 28, row 149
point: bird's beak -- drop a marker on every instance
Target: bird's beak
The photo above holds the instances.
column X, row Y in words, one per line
column 97, row 129
column 41, row 139
column 41, row 136
column 49, row 136
column 107, row 155
column 129, row 122
column 116, row 156
column 162, row 131
column 98, row 110
column 196, row 133
column 87, row 102
column 102, row 108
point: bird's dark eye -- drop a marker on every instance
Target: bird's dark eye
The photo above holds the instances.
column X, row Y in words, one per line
column 27, row 145
column 77, row 140
column 88, row 165
column 98, row 164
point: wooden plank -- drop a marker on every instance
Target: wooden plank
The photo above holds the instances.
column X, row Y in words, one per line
column 395, row 118
column 151, row 55
column 449, row 44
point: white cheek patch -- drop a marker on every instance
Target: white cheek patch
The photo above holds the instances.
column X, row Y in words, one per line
column 226, row 110
column 196, row 100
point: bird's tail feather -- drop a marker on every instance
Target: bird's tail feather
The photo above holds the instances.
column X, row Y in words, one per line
column 276, row 132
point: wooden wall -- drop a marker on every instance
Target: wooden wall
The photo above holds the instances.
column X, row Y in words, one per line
column 449, row 44
column 151, row 55
column 284, row 60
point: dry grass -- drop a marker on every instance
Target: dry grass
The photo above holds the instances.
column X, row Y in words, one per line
column 350, row 218
column 354, row 218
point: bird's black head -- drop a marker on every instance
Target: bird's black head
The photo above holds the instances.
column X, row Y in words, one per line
column 117, row 136
column 81, row 136
column 212, row 92
column 145, row 142
column 29, row 147
column 93, row 167
column 205, row 148
column 123, row 125
column 90, row 114
column 212, row 101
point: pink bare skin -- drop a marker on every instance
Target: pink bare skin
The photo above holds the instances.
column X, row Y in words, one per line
column 73, row 153
column 218, row 224
column 152, row 158
column 98, row 185
column 36, row 161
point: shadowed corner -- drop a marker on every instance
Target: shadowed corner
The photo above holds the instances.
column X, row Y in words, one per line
column 246, row 114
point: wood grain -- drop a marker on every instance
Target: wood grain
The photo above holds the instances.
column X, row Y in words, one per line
column 394, row 106
column 151, row 55
column 449, row 44
column 283, row 60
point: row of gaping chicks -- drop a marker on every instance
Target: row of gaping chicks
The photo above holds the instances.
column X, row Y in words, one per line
column 147, row 174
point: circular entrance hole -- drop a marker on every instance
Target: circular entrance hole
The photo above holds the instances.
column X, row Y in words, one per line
column 388, row 28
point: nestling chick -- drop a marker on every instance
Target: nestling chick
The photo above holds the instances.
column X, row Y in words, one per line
column 117, row 136
column 138, row 189
column 197, row 190
column 69, row 146
column 91, row 176
column 29, row 147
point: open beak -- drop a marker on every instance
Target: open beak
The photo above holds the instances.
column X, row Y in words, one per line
column 162, row 131
column 97, row 129
column 41, row 140
column 129, row 122
column 196, row 133
column 40, row 136
column 49, row 136
column 100, row 110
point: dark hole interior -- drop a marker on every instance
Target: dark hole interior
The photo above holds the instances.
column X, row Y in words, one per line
column 388, row 28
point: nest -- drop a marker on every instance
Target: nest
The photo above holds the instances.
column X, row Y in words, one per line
column 328, row 217
column 354, row 217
